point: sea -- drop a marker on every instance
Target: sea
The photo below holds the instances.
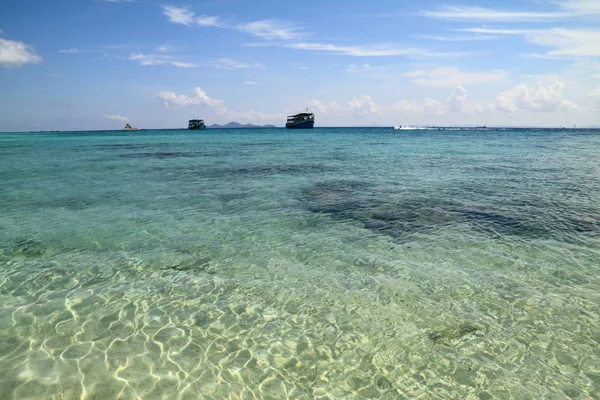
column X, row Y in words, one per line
column 334, row 263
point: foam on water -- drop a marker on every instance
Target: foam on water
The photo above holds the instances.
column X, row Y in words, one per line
column 337, row 263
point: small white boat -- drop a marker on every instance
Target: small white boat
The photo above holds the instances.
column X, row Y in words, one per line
column 408, row 128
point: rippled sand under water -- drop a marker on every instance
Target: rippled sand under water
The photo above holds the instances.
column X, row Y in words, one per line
column 332, row 264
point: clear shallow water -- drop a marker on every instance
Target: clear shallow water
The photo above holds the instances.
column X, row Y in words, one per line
column 336, row 263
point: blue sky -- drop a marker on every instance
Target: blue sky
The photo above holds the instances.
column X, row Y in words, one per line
column 97, row 64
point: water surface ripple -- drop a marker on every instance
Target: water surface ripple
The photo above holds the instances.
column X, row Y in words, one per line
column 327, row 264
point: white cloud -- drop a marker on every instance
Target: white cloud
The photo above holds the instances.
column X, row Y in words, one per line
column 116, row 118
column 162, row 49
column 205, row 20
column 250, row 83
column 271, row 29
column 363, row 105
column 186, row 16
column 15, row 54
column 70, row 51
column 179, row 15
column 370, row 51
column 458, row 38
column 332, row 108
column 522, row 104
column 452, row 76
column 199, row 98
column 459, row 102
column 488, row 14
column 563, row 9
column 157, row 59
column 354, row 68
column 229, row 64
column 538, row 98
column 360, row 106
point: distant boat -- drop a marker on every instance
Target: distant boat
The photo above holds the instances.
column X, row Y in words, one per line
column 301, row 121
column 408, row 128
column 130, row 128
column 196, row 124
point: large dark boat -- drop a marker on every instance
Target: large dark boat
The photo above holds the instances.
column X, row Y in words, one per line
column 196, row 124
column 301, row 121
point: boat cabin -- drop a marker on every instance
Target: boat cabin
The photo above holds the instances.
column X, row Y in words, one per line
column 196, row 124
column 300, row 121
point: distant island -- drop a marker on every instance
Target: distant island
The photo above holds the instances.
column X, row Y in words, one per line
column 237, row 125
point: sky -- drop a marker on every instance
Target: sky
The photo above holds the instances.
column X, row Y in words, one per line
column 99, row 64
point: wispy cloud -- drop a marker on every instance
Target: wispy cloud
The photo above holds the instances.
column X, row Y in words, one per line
column 267, row 29
column 16, row 54
column 371, row 50
column 158, row 59
column 186, row 16
column 561, row 9
column 580, row 7
column 70, row 51
column 162, row 49
column 488, row 14
column 354, row 68
column 455, row 38
column 566, row 42
column 250, row 83
column 116, row 118
column 204, row 20
column 271, row 29
column 229, row 64
column 452, row 77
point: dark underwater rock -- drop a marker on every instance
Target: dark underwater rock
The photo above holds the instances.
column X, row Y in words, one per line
column 197, row 264
column 400, row 217
column 456, row 334
column 28, row 248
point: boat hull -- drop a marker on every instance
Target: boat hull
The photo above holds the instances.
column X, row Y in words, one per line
column 197, row 128
column 301, row 125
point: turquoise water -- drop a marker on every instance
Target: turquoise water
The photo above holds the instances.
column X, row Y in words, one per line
column 268, row 264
